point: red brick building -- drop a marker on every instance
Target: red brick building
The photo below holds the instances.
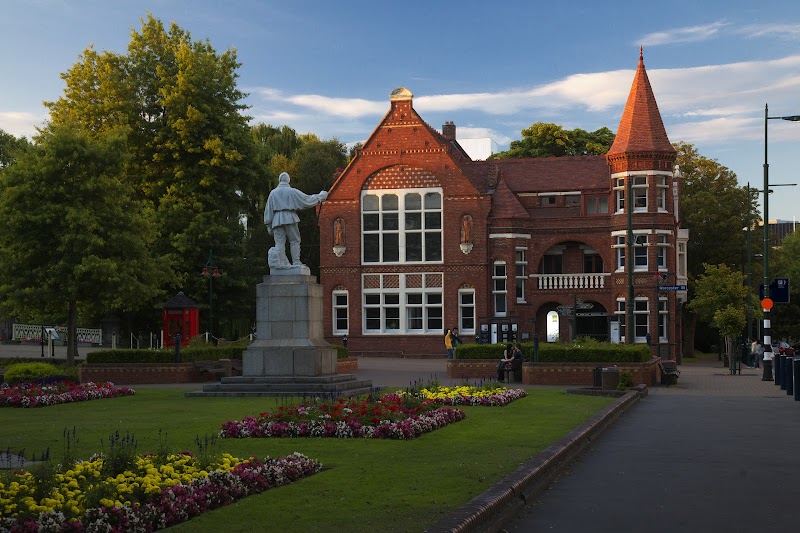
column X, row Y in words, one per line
column 416, row 238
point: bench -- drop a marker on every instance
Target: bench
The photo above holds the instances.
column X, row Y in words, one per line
column 513, row 376
column 221, row 367
column 669, row 372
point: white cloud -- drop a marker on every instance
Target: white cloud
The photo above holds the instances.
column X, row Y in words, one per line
column 789, row 31
column 20, row 124
column 688, row 34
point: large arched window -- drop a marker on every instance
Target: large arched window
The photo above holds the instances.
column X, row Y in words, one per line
column 401, row 226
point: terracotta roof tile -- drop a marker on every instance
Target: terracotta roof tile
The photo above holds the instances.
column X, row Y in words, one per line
column 505, row 203
column 641, row 128
column 542, row 174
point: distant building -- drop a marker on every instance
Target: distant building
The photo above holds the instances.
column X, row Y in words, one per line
column 779, row 229
column 479, row 149
column 418, row 236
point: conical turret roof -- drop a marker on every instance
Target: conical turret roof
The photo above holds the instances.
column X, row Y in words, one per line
column 641, row 128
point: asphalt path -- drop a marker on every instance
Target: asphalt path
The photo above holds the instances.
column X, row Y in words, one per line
column 717, row 453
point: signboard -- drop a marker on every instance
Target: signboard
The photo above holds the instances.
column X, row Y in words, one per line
column 778, row 290
column 673, row 287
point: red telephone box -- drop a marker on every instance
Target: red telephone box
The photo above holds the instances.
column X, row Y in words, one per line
column 181, row 315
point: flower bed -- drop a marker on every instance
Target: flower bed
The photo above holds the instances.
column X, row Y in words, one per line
column 393, row 416
column 470, row 395
column 152, row 495
column 38, row 395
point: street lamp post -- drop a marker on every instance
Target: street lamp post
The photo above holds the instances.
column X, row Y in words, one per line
column 211, row 271
column 767, row 375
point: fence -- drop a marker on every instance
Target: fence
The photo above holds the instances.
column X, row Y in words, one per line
column 33, row 333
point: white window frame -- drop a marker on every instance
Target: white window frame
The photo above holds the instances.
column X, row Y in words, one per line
column 619, row 195
column 641, row 246
column 391, row 303
column 621, row 313
column 663, row 317
column 662, row 186
column 499, row 289
column 641, row 311
column 521, row 266
column 340, row 312
column 466, row 311
column 428, row 220
column 662, row 244
column 682, row 259
column 639, row 193
column 619, row 245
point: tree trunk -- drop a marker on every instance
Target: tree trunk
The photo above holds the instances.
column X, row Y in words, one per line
column 72, row 333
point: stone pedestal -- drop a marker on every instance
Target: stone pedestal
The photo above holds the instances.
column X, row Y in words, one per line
column 290, row 355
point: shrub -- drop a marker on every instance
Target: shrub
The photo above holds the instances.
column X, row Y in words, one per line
column 341, row 351
column 35, row 372
column 202, row 352
column 580, row 351
column 625, row 380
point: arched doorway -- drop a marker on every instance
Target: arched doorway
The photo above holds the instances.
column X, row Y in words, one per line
column 552, row 326
column 591, row 320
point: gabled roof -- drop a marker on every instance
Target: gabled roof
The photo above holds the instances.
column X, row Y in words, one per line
column 505, row 203
column 641, row 128
column 541, row 174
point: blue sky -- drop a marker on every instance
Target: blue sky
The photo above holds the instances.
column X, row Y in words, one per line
column 493, row 68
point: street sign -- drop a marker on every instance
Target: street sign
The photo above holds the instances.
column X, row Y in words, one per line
column 672, row 287
column 778, row 290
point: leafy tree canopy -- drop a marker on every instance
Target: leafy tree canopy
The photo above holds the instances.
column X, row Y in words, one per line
column 10, row 146
column 75, row 237
column 544, row 139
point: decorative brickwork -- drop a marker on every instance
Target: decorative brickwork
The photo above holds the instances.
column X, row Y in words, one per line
column 553, row 225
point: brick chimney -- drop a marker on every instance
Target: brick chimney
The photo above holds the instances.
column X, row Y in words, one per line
column 449, row 131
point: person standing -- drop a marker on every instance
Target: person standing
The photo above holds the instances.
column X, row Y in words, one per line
column 451, row 342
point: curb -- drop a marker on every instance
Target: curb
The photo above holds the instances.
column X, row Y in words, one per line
column 489, row 511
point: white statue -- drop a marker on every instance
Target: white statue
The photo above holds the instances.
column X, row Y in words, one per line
column 280, row 216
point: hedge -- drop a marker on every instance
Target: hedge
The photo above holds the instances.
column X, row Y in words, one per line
column 188, row 355
column 39, row 372
column 576, row 352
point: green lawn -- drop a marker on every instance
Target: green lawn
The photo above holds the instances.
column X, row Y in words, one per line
column 366, row 485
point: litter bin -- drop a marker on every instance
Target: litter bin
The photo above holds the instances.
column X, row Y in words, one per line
column 597, row 377
column 610, row 378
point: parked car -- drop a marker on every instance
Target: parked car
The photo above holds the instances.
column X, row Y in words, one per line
column 782, row 348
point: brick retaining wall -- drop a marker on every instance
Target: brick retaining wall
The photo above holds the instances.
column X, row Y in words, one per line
column 147, row 373
column 552, row 373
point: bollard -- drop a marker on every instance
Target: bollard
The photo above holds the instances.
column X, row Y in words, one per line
column 788, row 378
column 796, row 372
column 778, row 370
column 178, row 348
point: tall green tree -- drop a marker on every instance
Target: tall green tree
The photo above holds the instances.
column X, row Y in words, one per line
column 10, row 146
column 715, row 210
column 191, row 150
column 315, row 164
column 784, row 264
column 544, row 139
column 75, row 237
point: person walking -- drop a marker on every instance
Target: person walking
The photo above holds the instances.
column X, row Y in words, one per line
column 451, row 342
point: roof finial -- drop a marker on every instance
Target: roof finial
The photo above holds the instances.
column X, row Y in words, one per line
column 641, row 55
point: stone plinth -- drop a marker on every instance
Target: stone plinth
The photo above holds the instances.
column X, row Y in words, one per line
column 290, row 355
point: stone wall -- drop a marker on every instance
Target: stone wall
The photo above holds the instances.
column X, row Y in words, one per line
column 552, row 373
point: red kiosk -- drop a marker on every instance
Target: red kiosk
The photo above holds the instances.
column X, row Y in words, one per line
column 181, row 316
